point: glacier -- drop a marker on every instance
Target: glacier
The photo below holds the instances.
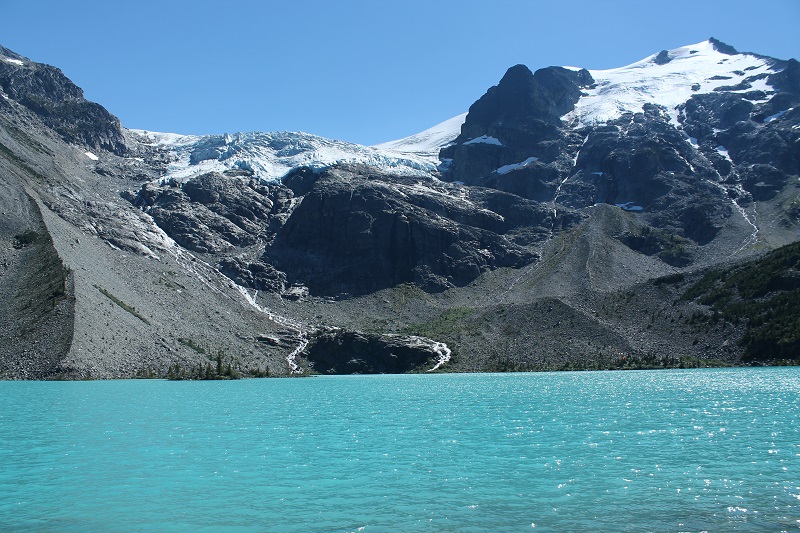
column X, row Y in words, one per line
column 271, row 155
column 668, row 79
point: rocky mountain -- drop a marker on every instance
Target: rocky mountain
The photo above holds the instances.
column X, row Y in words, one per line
column 564, row 221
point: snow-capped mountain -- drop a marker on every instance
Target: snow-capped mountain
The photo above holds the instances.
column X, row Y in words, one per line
column 669, row 79
column 533, row 231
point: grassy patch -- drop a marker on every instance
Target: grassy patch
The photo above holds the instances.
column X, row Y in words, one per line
column 129, row 308
column 444, row 326
column 619, row 362
column 671, row 279
column 191, row 344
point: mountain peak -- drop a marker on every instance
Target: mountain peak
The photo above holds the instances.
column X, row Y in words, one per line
column 522, row 96
column 517, row 75
column 723, row 48
column 669, row 78
column 12, row 57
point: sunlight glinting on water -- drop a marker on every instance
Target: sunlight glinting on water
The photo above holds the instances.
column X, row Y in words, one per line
column 606, row 451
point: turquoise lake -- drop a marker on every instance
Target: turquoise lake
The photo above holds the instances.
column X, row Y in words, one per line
column 670, row 450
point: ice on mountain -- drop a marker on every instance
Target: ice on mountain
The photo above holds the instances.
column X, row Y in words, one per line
column 13, row 61
column 629, row 206
column 776, row 116
column 270, row 156
column 695, row 69
column 667, row 79
column 484, row 139
column 91, row 156
column 505, row 169
column 427, row 143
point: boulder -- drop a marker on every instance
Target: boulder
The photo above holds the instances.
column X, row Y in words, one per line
column 340, row 351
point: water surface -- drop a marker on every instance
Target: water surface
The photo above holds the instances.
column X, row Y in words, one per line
column 682, row 450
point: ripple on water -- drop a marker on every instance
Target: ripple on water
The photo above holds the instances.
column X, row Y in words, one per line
column 622, row 451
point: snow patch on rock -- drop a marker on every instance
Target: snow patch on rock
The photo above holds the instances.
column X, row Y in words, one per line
column 484, row 139
column 776, row 116
column 505, row 169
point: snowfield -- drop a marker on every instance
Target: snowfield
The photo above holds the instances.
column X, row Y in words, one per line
column 270, row 156
column 694, row 69
column 429, row 142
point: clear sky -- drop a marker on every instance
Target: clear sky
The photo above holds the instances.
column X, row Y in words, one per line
column 361, row 71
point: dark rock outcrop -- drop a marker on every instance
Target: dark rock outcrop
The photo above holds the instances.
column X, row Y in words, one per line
column 338, row 351
column 60, row 103
column 214, row 213
column 516, row 119
column 253, row 274
column 722, row 48
column 357, row 231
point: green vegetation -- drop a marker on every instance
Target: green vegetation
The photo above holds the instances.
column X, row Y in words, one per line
column 669, row 247
column 444, row 326
column 764, row 295
column 671, row 279
column 4, row 150
column 129, row 308
column 454, row 326
column 28, row 237
column 221, row 368
column 616, row 362
column 792, row 208
column 404, row 294
column 204, row 372
column 48, row 275
column 189, row 343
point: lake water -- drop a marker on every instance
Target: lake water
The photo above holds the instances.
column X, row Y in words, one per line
column 682, row 450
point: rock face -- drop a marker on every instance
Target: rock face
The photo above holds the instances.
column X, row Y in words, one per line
column 60, row 103
column 214, row 212
column 347, row 230
column 356, row 231
column 686, row 174
column 36, row 317
column 336, row 351
column 515, row 120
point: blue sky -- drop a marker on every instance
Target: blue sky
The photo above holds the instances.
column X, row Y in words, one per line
column 361, row 71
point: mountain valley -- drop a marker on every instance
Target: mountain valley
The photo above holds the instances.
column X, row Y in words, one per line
column 639, row 217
